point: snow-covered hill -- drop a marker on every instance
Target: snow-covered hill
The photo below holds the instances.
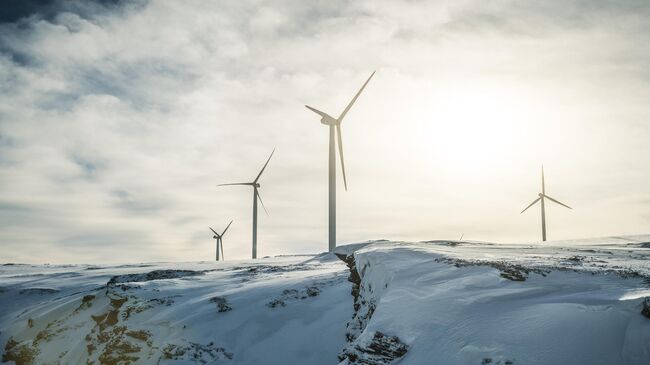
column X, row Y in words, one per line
column 435, row 302
column 270, row 311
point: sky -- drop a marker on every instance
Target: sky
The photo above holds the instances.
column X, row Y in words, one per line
column 118, row 119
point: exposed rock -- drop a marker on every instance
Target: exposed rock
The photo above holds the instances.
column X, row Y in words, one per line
column 354, row 277
column 194, row 352
column 222, row 304
column 152, row 275
column 363, row 308
column 20, row 353
column 380, row 350
column 513, row 274
column 142, row 335
column 508, row 271
column 276, row 303
column 86, row 302
column 646, row 307
column 137, row 305
column 293, row 294
column 271, row 269
column 312, row 291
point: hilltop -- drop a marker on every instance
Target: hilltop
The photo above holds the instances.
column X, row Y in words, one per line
column 378, row 302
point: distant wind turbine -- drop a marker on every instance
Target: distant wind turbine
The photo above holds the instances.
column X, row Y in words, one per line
column 219, row 238
column 543, row 195
column 335, row 123
column 256, row 195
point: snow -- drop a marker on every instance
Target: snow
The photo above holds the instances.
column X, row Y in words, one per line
column 443, row 302
column 178, row 311
column 448, row 302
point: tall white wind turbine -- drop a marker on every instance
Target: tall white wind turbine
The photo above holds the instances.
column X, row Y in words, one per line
column 256, row 195
column 219, row 238
column 335, row 123
column 541, row 197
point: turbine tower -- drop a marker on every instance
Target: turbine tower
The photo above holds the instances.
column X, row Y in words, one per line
column 256, row 195
column 541, row 198
column 219, row 238
column 335, row 123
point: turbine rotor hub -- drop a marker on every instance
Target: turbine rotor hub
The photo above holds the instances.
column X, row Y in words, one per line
column 327, row 120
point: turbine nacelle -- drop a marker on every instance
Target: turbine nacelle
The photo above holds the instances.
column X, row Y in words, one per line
column 256, row 196
column 327, row 120
column 335, row 135
column 540, row 198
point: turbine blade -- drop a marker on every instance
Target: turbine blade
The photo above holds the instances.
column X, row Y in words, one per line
column 531, row 204
column 261, row 171
column 355, row 98
column 340, row 142
column 556, row 201
column 224, row 231
column 543, row 188
column 217, row 234
column 322, row 114
column 235, row 184
column 223, row 258
column 261, row 202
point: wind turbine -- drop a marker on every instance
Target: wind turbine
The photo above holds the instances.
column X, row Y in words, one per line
column 541, row 197
column 219, row 238
column 335, row 123
column 256, row 195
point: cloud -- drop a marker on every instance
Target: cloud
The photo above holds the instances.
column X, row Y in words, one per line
column 117, row 120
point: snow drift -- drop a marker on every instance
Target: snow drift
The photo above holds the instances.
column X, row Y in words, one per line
column 380, row 302
column 447, row 302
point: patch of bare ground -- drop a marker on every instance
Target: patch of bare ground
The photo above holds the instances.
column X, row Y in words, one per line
column 23, row 353
column 194, row 352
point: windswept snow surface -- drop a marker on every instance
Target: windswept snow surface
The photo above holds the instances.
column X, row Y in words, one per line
column 269, row 311
column 434, row 302
column 449, row 302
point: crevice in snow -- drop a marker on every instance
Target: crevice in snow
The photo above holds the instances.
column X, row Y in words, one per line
column 374, row 348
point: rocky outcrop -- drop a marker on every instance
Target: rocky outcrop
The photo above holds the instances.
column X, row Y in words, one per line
column 222, row 304
column 152, row 275
column 378, row 349
column 646, row 307
column 293, row 294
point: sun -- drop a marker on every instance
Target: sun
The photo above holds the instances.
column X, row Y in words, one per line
column 479, row 127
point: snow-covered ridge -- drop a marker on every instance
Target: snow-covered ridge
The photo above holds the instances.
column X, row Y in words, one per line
column 270, row 311
column 449, row 302
column 434, row 302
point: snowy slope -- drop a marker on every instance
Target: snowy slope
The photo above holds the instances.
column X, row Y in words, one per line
column 446, row 302
column 271, row 311
column 435, row 302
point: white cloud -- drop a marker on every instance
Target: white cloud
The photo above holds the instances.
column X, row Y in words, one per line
column 116, row 123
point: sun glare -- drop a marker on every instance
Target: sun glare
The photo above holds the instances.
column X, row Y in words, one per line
column 481, row 129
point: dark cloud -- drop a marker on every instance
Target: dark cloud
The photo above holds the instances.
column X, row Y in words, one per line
column 89, row 167
column 15, row 10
